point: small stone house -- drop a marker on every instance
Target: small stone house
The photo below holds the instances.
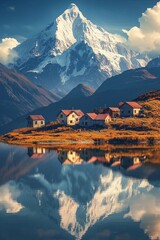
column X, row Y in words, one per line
column 102, row 120
column 35, row 121
column 69, row 117
column 130, row 109
column 114, row 112
column 87, row 120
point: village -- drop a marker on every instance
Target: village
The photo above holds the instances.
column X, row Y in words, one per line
column 84, row 156
column 99, row 118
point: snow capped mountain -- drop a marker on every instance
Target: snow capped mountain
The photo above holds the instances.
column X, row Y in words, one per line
column 104, row 194
column 73, row 50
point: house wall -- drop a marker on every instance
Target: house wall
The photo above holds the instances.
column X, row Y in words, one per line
column 62, row 119
column 136, row 111
column 128, row 111
column 38, row 123
column 72, row 119
column 72, row 156
column 114, row 114
column 102, row 122
column 86, row 121
column 35, row 123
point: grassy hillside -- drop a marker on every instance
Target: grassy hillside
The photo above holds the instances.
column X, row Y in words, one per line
column 123, row 130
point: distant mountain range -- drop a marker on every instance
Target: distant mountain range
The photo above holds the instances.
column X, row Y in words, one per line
column 73, row 50
column 18, row 95
column 124, row 87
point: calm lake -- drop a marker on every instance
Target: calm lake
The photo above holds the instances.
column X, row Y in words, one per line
column 85, row 194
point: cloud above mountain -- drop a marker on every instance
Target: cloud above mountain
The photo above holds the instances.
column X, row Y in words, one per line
column 146, row 37
column 7, row 54
column 8, row 198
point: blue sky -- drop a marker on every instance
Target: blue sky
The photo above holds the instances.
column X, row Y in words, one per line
column 21, row 19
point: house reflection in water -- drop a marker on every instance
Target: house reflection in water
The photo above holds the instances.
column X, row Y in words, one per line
column 131, row 163
column 70, row 157
column 100, row 156
column 82, row 156
column 36, row 152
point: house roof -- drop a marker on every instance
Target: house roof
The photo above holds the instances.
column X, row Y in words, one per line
column 101, row 117
column 36, row 117
column 78, row 112
column 92, row 115
column 37, row 155
column 114, row 109
column 132, row 104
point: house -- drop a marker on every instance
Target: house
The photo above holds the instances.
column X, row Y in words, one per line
column 102, row 120
column 69, row 117
column 35, row 121
column 114, row 112
column 87, row 120
column 36, row 152
column 130, row 109
column 130, row 163
column 70, row 157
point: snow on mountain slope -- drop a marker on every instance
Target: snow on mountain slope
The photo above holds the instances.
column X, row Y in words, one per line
column 77, row 51
column 105, row 194
column 106, row 201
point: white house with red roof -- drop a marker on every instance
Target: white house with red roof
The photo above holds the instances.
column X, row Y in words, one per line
column 130, row 109
column 35, row 121
column 102, row 120
column 88, row 120
column 69, row 117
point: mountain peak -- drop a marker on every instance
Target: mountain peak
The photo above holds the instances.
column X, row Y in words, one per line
column 75, row 50
column 73, row 5
column 80, row 91
column 72, row 12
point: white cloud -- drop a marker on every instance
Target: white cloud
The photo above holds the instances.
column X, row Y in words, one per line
column 7, row 54
column 147, row 212
column 146, row 37
column 8, row 198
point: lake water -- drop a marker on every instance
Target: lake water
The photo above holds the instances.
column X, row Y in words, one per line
column 84, row 194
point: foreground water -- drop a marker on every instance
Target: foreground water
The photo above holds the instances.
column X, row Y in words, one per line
column 83, row 194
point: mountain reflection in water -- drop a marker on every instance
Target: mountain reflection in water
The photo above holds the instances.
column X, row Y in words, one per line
column 79, row 194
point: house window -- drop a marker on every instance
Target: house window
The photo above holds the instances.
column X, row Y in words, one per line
column 71, row 121
column 41, row 122
column 129, row 111
column 61, row 116
column 77, row 119
column 73, row 115
column 135, row 111
column 86, row 123
column 35, row 122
